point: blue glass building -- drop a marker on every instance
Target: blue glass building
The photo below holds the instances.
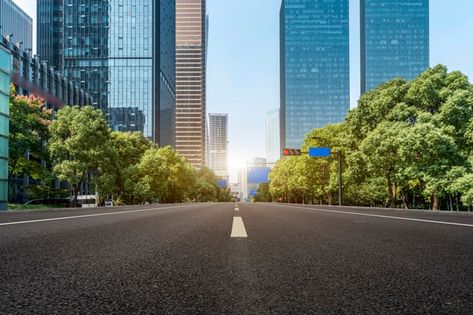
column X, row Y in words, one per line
column 14, row 21
column 314, row 52
column 122, row 52
column 394, row 40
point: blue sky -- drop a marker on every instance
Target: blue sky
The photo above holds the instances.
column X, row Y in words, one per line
column 243, row 61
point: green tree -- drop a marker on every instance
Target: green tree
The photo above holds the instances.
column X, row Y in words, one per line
column 125, row 151
column 381, row 152
column 167, row 175
column 429, row 155
column 80, row 139
column 263, row 194
column 29, row 121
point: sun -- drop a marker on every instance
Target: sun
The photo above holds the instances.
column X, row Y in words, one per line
column 235, row 164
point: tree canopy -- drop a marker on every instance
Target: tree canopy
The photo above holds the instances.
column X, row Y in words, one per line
column 407, row 143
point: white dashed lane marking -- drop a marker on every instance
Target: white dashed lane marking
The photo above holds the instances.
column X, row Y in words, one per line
column 238, row 228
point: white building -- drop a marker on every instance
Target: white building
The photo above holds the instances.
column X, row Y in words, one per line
column 273, row 150
column 217, row 140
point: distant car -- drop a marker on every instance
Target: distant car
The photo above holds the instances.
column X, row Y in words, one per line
column 56, row 202
column 108, row 203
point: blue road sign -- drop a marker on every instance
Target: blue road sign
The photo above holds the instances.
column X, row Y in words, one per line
column 319, row 152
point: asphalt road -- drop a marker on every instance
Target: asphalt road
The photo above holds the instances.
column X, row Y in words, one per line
column 213, row 259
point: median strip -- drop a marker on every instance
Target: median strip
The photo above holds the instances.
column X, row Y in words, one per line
column 238, row 228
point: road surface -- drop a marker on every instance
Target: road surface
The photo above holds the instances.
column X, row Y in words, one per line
column 236, row 259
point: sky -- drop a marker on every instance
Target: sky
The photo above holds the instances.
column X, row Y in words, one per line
column 243, row 61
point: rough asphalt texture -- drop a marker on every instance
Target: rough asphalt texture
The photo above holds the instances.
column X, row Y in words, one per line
column 182, row 260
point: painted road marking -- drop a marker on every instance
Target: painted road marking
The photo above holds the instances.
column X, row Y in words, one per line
column 238, row 228
column 87, row 216
column 385, row 216
column 237, row 209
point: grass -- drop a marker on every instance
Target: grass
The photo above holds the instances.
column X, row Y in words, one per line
column 19, row 207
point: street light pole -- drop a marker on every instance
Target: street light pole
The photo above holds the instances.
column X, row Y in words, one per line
column 340, row 188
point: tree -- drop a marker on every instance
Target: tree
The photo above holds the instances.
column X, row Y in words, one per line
column 429, row 155
column 80, row 139
column 167, row 175
column 206, row 188
column 263, row 194
column 381, row 152
column 125, row 151
column 29, row 121
column 408, row 141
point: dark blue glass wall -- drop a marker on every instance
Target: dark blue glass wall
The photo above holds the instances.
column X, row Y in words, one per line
column 315, row 84
column 13, row 20
column 120, row 51
column 394, row 40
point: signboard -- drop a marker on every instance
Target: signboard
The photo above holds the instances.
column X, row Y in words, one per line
column 222, row 183
column 258, row 175
column 319, row 152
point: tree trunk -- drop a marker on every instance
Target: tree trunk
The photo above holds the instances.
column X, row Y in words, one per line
column 330, row 199
column 75, row 193
column 435, row 202
column 405, row 202
column 392, row 193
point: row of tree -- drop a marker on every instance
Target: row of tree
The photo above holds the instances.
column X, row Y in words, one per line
column 408, row 143
column 77, row 147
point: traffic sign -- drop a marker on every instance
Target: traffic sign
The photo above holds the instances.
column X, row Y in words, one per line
column 291, row 152
column 319, row 152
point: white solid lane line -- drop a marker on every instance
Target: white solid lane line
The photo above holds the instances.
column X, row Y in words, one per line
column 238, row 228
column 87, row 216
column 384, row 216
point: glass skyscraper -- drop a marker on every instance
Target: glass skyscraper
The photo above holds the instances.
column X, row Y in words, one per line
column 14, row 20
column 120, row 51
column 315, row 83
column 190, row 80
column 394, row 40
column 217, row 144
column 273, row 150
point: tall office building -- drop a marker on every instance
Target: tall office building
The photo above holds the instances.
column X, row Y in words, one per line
column 15, row 24
column 394, row 40
column 122, row 52
column 190, row 80
column 315, row 83
column 273, row 150
column 217, row 144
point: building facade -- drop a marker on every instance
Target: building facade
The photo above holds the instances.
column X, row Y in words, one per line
column 191, row 80
column 5, row 66
column 217, row 144
column 15, row 24
column 314, row 66
column 32, row 76
column 255, row 173
column 394, row 40
column 122, row 52
column 273, row 150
